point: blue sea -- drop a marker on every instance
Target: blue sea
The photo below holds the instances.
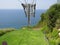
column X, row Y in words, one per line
column 15, row 18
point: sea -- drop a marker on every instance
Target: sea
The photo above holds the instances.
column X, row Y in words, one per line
column 16, row 18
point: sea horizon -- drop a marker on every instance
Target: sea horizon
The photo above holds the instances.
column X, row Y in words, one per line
column 15, row 18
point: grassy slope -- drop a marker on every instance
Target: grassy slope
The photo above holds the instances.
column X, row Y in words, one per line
column 24, row 37
column 6, row 30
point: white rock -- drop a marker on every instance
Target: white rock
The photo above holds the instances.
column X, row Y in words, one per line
column 59, row 34
column 58, row 29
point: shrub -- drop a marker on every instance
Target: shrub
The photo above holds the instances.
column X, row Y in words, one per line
column 52, row 42
column 58, row 41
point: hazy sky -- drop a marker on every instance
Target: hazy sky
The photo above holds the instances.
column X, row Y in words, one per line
column 15, row 4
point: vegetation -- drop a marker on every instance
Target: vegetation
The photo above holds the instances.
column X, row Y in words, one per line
column 50, row 17
column 24, row 37
column 50, row 23
column 46, row 35
column 3, row 31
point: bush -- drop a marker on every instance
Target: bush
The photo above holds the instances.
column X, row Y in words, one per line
column 58, row 41
column 52, row 42
column 45, row 30
column 55, row 34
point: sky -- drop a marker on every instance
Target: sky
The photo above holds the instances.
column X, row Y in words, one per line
column 16, row 4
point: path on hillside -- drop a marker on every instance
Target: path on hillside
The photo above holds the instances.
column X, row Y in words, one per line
column 36, row 28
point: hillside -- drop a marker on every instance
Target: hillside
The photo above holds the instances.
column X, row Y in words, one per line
column 47, row 28
column 50, row 22
column 24, row 37
column 51, row 18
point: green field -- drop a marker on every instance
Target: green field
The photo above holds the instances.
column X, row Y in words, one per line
column 24, row 37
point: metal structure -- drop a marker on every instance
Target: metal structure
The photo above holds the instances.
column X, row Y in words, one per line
column 29, row 9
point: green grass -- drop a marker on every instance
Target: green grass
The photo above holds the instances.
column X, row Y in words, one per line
column 24, row 37
column 6, row 30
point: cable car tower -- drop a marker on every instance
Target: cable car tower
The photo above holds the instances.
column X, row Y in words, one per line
column 29, row 7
